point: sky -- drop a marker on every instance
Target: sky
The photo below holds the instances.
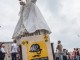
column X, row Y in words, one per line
column 62, row 16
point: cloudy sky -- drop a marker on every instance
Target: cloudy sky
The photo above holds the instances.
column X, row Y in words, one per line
column 62, row 17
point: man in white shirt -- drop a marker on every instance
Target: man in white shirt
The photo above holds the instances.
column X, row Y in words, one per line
column 2, row 51
column 14, row 50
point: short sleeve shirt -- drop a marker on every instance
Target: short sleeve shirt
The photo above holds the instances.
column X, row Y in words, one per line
column 14, row 48
column 2, row 49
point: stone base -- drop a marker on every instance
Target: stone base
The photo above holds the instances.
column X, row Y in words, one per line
column 45, row 45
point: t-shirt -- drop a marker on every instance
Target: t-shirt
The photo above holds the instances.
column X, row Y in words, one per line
column 2, row 52
column 14, row 48
column 2, row 49
column 74, row 53
column 59, row 47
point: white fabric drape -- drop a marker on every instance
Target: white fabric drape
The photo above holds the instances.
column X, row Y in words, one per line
column 30, row 20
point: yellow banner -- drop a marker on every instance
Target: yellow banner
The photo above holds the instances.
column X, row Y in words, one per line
column 36, row 50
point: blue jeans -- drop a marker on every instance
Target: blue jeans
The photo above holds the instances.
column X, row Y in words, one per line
column 14, row 56
column 61, row 57
column 77, row 57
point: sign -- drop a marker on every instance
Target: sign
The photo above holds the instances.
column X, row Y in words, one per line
column 36, row 50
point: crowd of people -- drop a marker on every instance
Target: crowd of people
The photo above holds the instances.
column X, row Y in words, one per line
column 63, row 54
column 60, row 54
column 14, row 51
column 76, row 54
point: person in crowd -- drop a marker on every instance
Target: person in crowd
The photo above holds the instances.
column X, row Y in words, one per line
column 68, row 56
column 72, row 56
column 77, row 54
column 14, row 50
column 2, row 52
column 56, row 55
column 74, row 53
column 60, row 48
column 64, row 55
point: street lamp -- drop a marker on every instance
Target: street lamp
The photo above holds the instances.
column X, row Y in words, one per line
column 52, row 45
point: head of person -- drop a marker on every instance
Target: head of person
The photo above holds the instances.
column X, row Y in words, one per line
column 1, row 45
column 59, row 42
column 77, row 49
column 74, row 48
column 66, row 50
column 14, row 41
